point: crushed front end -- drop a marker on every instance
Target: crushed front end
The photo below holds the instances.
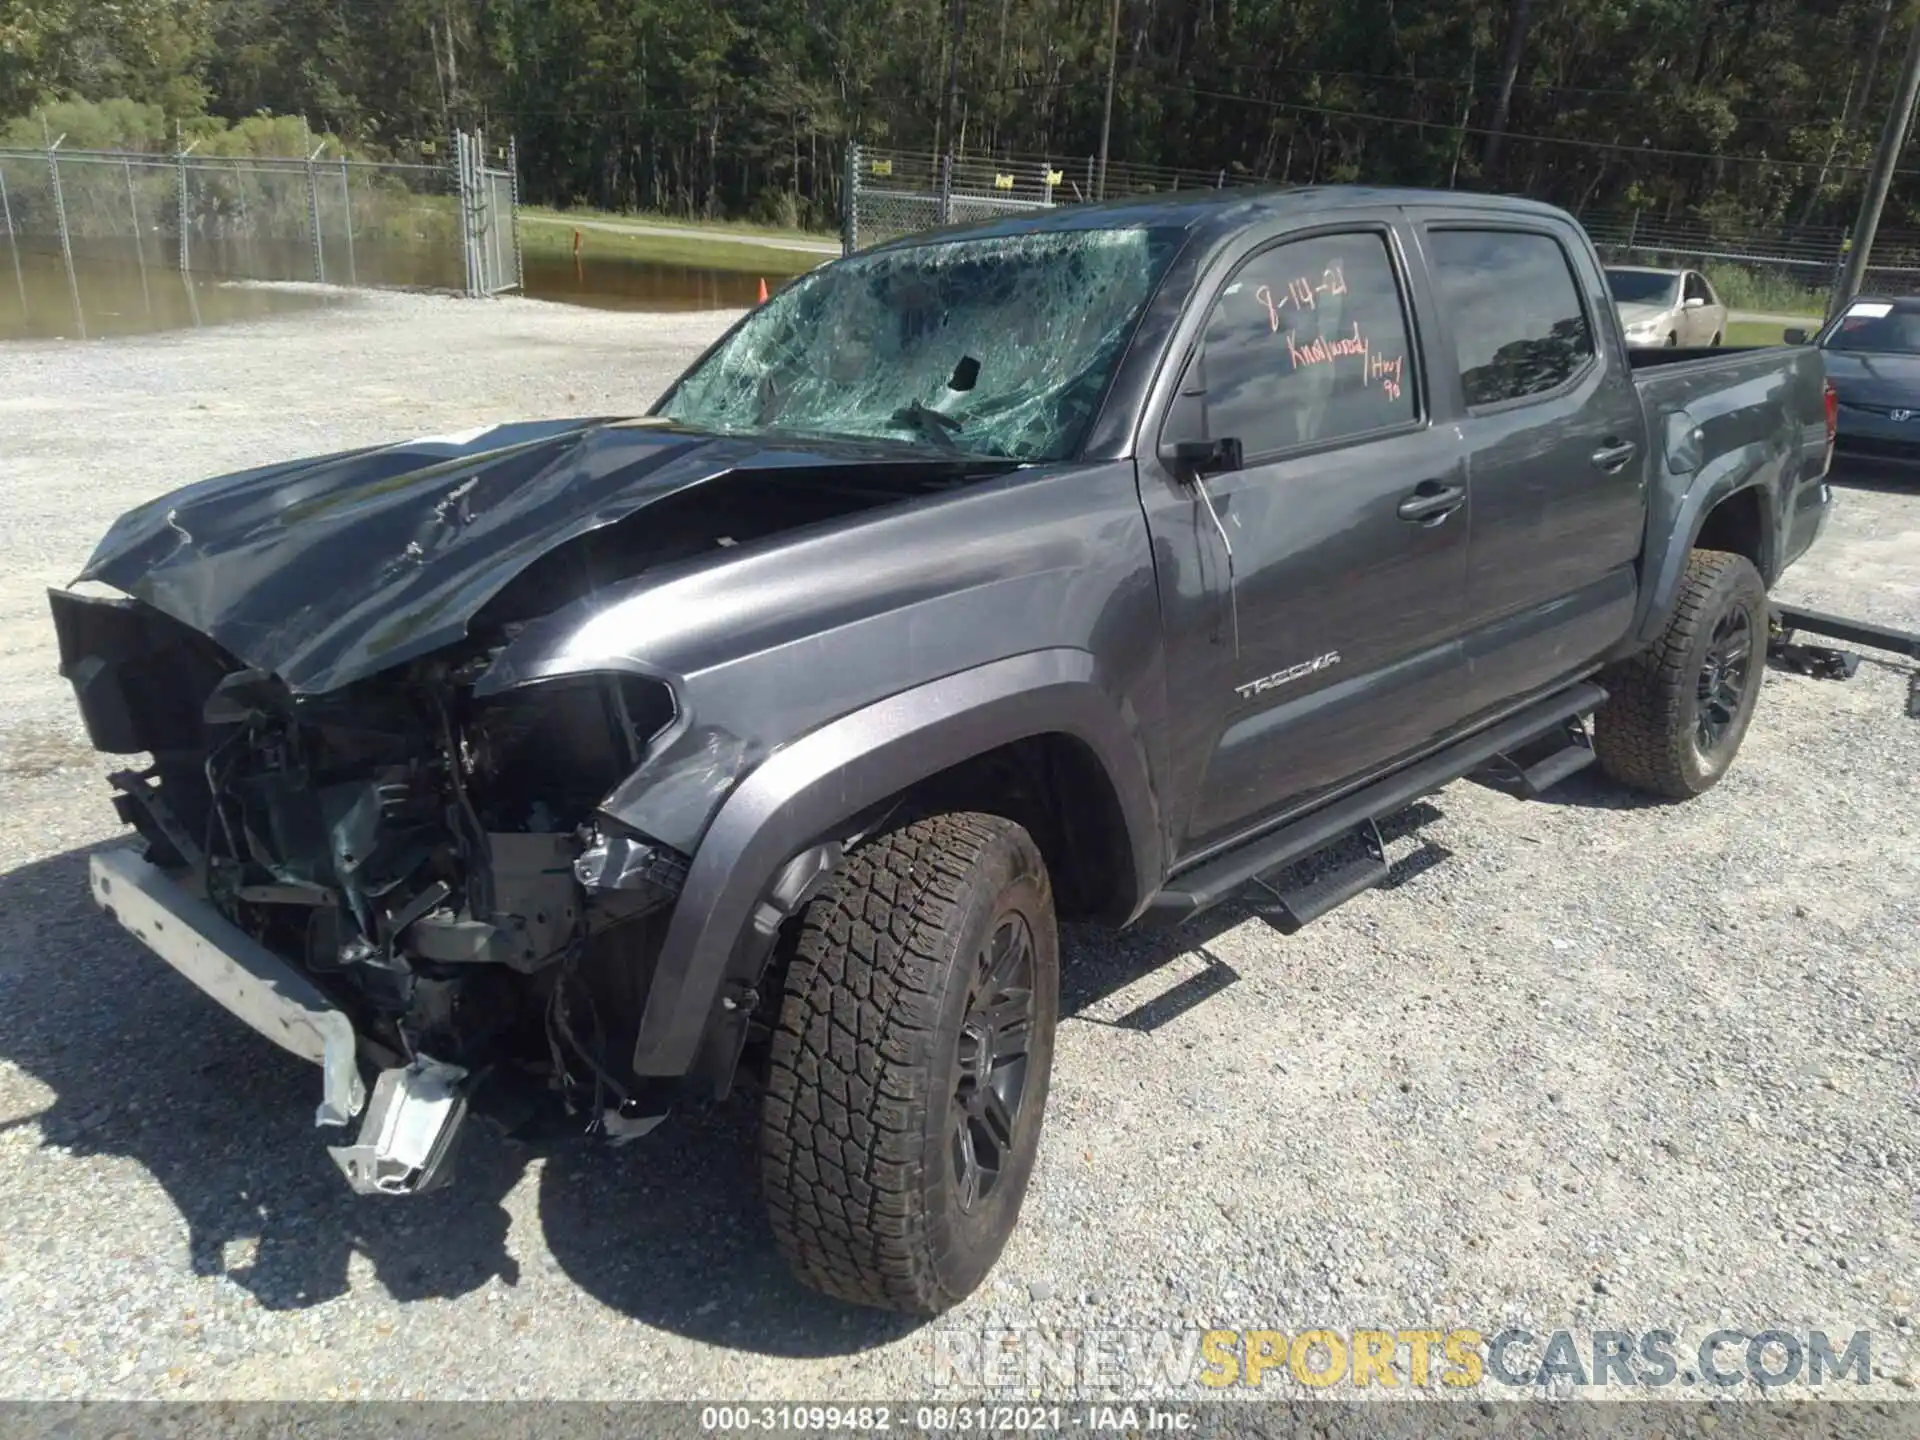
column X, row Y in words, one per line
column 397, row 862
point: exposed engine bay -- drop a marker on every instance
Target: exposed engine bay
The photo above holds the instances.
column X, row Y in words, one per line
column 433, row 862
column 366, row 811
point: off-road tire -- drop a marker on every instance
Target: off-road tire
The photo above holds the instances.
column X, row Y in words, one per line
column 1645, row 736
column 858, row 1121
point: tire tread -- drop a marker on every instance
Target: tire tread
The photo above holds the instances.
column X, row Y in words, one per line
column 849, row 1069
column 1642, row 736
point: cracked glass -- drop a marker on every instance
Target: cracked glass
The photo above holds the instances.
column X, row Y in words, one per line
column 1001, row 347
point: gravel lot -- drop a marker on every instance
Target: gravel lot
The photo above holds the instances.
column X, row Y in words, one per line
column 1587, row 1064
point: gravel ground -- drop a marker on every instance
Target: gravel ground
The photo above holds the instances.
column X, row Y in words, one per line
column 1585, row 1064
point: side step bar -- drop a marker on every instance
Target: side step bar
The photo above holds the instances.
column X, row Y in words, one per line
column 1208, row 884
column 1539, row 765
column 1301, row 905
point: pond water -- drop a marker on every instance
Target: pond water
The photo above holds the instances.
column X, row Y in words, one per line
column 117, row 295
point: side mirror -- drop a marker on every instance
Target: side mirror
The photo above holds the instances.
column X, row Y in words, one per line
column 1795, row 336
column 1694, row 302
column 1187, row 458
column 1185, row 448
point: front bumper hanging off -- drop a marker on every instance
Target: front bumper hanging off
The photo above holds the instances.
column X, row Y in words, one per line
column 407, row 1136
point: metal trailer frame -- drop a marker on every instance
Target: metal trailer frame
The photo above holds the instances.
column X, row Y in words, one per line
column 1828, row 663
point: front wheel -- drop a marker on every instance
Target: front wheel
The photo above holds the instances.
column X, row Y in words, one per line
column 910, row 1063
column 1673, row 340
column 1718, row 341
column 1677, row 712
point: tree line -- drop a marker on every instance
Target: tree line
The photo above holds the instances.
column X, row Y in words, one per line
column 1743, row 112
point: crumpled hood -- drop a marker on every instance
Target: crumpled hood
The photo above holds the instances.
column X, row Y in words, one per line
column 1880, row 380
column 326, row 570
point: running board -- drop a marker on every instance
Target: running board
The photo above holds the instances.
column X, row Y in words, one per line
column 1213, row 881
column 1532, row 769
column 1297, row 906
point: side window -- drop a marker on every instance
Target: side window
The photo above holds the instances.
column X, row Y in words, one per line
column 1697, row 288
column 1308, row 344
column 1518, row 326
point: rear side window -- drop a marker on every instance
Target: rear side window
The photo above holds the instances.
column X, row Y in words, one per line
column 1307, row 345
column 1510, row 299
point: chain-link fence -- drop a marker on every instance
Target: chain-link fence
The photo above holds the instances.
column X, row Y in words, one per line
column 899, row 192
column 181, row 222
column 489, row 214
column 1790, row 271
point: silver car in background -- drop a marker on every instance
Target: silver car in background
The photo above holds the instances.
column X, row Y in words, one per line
column 1667, row 307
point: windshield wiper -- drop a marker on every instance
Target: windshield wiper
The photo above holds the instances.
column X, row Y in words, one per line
column 924, row 420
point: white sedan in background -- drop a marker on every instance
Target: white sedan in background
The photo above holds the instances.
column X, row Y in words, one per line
column 1667, row 307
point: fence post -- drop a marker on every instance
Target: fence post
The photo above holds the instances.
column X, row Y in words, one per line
column 139, row 245
column 946, row 189
column 850, row 202
column 186, row 224
column 66, row 239
column 313, row 216
column 464, row 180
column 13, row 243
column 513, row 205
column 346, row 205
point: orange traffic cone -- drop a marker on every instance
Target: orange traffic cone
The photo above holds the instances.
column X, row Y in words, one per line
column 763, row 289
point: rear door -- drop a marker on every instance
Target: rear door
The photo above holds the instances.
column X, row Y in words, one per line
column 1556, row 447
column 1312, row 597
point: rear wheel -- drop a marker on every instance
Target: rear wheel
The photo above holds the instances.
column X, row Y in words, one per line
column 1677, row 712
column 910, row 1064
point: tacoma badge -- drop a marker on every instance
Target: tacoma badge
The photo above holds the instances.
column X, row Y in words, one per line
column 1282, row 677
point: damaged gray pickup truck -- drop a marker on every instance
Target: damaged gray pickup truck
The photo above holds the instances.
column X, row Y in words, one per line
column 1099, row 565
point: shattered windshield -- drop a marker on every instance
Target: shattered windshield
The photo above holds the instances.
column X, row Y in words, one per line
column 998, row 347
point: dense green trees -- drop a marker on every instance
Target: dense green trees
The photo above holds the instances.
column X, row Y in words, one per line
column 1760, row 111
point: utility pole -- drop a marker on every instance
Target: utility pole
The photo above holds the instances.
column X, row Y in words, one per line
column 1106, row 116
column 1893, row 135
column 943, row 128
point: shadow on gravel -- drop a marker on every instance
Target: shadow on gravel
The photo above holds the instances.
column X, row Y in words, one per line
column 1881, row 477
column 1589, row 789
column 142, row 1066
column 1096, row 964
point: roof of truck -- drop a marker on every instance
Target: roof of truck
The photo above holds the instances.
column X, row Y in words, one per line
column 1219, row 212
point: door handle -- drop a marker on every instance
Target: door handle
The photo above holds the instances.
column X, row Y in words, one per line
column 1615, row 453
column 1432, row 501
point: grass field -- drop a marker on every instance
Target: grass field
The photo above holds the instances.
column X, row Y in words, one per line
column 1753, row 332
column 747, row 229
column 542, row 235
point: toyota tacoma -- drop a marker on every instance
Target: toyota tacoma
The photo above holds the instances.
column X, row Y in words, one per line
column 1099, row 565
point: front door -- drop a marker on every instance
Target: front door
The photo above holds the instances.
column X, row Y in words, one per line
column 1312, row 597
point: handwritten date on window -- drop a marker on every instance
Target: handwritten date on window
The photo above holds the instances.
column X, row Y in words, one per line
column 1302, row 293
